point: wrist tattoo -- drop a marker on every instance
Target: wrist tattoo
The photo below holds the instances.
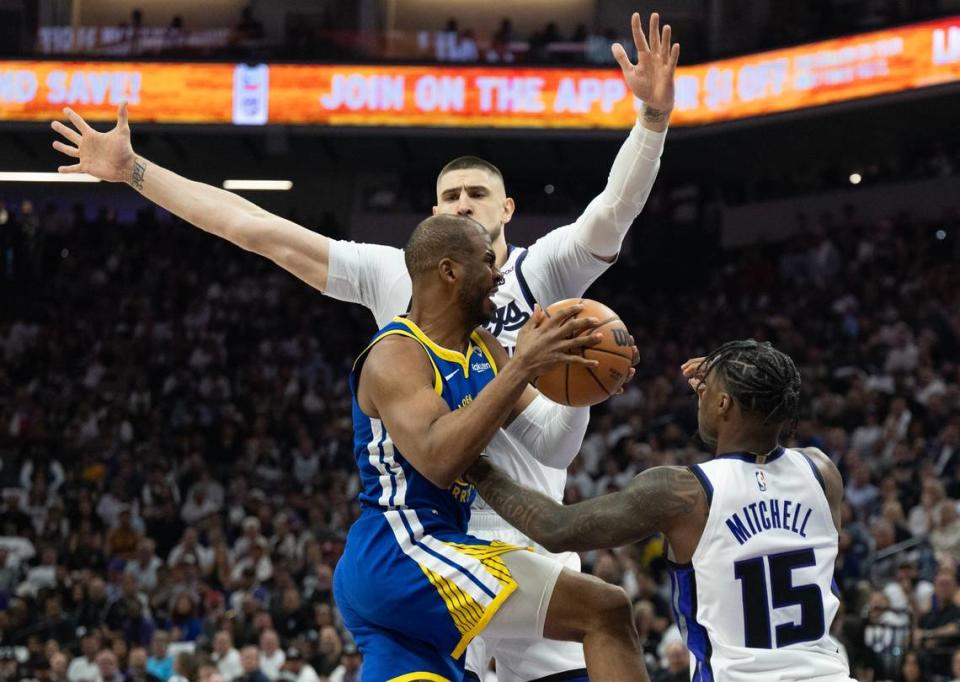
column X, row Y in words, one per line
column 139, row 170
column 651, row 115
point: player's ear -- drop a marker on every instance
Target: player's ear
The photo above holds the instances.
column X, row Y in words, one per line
column 448, row 269
column 436, row 209
column 725, row 404
column 508, row 208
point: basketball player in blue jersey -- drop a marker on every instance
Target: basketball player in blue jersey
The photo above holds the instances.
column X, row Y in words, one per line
column 429, row 392
column 751, row 534
column 562, row 264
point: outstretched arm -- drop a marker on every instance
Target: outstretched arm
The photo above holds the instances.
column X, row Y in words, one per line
column 658, row 500
column 651, row 80
column 110, row 156
column 565, row 262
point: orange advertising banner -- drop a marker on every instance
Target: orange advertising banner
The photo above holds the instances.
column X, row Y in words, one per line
column 827, row 72
column 161, row 93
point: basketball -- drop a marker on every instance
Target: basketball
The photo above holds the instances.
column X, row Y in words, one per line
column 579, row 386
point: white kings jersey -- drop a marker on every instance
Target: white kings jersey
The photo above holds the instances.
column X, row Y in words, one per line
column 555, row 267
column 757, row 600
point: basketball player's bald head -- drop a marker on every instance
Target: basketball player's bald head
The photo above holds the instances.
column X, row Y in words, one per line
column 443, row 236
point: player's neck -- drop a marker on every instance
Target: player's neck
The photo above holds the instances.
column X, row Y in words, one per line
column 749, row 440
column 443, row 324
column 501, row 250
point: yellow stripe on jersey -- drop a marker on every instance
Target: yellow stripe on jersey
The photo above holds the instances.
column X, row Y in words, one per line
column 428, row 677
column 437, row 381
column 469, row 616
column 466, row 612
column 445, row 353
column 489, row 556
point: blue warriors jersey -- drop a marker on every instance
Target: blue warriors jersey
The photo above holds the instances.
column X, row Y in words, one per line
column 388, row 481
column 413, row 588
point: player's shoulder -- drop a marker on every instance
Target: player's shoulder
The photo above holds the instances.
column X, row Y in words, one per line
column 395, row 355
column 829, row 473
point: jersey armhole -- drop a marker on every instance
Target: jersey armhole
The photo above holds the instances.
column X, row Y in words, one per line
column 816, row 471
column 522, row 281
column 704, row 482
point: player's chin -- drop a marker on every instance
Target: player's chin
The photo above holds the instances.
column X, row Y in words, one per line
column 487, row 311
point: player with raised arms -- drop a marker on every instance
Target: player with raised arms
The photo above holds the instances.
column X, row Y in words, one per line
column 751, row 534
column 560, row 265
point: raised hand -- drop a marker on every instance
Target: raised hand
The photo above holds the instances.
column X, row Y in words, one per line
column 108, row 156
column 693, row 372
column 651, row 78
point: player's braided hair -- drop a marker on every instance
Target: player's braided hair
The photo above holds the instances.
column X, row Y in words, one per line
column 759, row 377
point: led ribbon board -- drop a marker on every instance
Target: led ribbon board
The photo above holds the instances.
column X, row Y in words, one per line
column 827, row 72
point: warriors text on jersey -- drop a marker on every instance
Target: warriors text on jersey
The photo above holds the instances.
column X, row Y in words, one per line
column 756, row 601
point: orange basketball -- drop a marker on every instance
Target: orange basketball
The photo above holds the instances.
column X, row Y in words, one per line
column 581, row 386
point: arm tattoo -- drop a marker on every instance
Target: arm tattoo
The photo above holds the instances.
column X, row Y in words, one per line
column 651, row 115
column 139, row 170
column 653, row 502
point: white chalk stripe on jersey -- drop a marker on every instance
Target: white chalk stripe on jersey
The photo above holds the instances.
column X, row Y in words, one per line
column 463, row 571
column 393, row 481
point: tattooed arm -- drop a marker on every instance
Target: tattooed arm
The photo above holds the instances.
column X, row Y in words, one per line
column 658, row 500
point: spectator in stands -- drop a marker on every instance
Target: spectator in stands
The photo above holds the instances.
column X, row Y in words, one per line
column 123, row 540
column 160, row 662
column 883, row 639
column 860, row 493
column 107, row 665
column 225, row 656
column 184, row 667
column 272, row 656
column 678, row 664
column 59, row 666
column 144, row 566
column 939, row 631
column 249, row 28
column 190, row 546
column 185, row 624
column 250, row 660
column 330, row 651
column 137, row 666
column 945, row 536
column 351, row 665
column 84, row 667
column 297, row 668
column 911, row 670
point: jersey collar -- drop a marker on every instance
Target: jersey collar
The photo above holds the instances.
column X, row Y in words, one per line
column 776, row 453
column 445, row 353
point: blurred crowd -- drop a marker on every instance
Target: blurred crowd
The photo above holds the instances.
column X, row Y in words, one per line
column 176, row 475
column 326, row 31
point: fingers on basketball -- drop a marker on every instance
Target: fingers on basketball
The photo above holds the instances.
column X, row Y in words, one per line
column 579, row 384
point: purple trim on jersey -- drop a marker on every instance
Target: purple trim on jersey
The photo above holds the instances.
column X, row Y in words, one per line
column 704, row 482
column 683, row 580
column 816, row 471
column 834, row 587
column 578, row 675
column 750, row 457
column 527, row 294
